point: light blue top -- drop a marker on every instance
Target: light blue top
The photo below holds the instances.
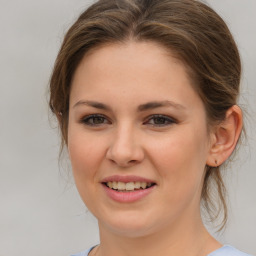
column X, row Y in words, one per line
column 225, row 250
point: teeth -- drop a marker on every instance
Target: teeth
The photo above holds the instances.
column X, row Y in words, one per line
column 137, row 184
column 143, row 185
column 110, row 184
column 114, row 185
column 129, row 186
column 120, row 186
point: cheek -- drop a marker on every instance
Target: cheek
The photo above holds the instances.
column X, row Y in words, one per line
column 84, row 150
column 85, row 155
column 181, row 159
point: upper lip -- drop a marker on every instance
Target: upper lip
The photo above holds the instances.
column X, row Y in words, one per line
column 126, row 179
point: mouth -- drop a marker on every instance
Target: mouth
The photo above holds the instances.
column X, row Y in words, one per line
column 128, row 189
column 128, row 186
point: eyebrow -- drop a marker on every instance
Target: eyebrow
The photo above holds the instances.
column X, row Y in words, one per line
column 93, row 104
column 141, row 108
column 158, row 104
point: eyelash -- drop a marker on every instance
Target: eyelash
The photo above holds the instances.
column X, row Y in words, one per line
column 86, row 120
column 167, row 120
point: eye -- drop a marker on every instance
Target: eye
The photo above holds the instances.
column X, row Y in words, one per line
column 160, row 120
column 94, row 120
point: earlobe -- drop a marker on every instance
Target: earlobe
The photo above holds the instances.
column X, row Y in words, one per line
column 225, row 137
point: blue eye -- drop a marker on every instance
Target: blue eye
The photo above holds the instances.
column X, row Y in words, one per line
column 160, row 120
column 94, row 120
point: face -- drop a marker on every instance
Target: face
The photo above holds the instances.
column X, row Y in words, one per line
column 137, row 138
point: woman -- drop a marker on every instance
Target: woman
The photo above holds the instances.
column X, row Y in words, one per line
column 145, row 92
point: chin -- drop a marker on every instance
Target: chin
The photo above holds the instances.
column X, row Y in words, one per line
column 131, row 231
column 130, row 224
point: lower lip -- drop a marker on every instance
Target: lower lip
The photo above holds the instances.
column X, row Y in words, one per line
column 127, row 197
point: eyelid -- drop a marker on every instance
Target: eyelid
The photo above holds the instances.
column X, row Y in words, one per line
column 170, row 120
column 84, row 119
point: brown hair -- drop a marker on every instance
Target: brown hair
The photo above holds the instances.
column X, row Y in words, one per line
column 190, row 29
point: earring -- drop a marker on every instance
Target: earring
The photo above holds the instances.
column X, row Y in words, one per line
column 216, row 162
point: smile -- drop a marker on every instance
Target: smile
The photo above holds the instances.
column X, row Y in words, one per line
column 128, row 189
column 128, row 186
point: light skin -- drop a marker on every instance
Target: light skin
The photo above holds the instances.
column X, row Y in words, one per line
column 148, row 121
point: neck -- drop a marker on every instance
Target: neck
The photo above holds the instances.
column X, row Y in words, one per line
column 188, row 239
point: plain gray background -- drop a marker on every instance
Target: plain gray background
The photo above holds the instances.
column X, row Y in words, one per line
column 40, row 212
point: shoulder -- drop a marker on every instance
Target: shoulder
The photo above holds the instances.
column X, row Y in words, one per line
column 84, row 253
column 228, row 250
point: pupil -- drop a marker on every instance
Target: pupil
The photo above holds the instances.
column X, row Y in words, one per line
column 98, row 120
column 159, row 120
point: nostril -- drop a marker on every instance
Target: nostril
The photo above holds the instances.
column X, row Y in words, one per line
column 123, row 163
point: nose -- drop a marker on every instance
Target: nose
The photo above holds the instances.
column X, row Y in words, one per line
column 125, row 148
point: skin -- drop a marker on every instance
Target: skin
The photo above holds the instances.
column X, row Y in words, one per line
column 126, row 140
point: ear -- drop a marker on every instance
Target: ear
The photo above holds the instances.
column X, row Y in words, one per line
column 225, row 136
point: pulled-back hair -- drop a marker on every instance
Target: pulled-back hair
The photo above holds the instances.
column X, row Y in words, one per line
column 188, row 28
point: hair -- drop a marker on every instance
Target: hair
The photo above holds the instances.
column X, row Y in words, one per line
column 188, row 28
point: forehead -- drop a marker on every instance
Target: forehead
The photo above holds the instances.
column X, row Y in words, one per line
column 144, row 68
column 130, row 57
